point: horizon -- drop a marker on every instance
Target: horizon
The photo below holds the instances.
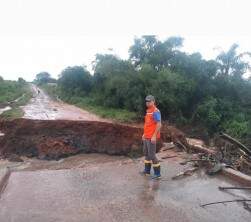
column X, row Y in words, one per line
column 52, row 35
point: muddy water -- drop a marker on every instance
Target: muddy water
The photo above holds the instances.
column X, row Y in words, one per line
column 43, row 107
column 105, row 188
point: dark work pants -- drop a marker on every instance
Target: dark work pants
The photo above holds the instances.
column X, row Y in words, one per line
column 149, row 150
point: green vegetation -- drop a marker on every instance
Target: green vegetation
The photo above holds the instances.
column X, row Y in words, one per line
column 51, row 90
column 14, row 94
column 14, row 113
column 121, row 115
column 189, row 89
column 11, row 90
column 43, row 78
column 89, row 104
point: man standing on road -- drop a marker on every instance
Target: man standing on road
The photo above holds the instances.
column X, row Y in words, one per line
column 151, row 135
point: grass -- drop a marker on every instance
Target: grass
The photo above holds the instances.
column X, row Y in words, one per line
column 120, row 115
column 24, row 94
column 51, row 90
column 87, row 103
column 14, row 113
column 11, row 90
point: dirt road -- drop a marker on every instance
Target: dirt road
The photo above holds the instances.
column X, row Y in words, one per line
column 43, row 107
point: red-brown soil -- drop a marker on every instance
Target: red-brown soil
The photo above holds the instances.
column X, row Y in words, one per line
column 54, row 139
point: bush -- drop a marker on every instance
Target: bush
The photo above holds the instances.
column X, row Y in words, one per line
column 75, row 80
column 237, row 127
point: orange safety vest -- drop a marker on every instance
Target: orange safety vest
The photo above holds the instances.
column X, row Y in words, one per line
column 150, row 124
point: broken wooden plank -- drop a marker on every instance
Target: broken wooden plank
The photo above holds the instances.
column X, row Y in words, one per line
column 234, row 188
column 226, row 201
column 237, row 176
column 167, row 157
column 168, row 148
column 202, row 149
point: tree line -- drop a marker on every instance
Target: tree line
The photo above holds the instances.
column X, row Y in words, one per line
column 189, row 89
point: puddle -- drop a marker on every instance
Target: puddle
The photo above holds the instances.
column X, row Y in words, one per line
column 5, row 109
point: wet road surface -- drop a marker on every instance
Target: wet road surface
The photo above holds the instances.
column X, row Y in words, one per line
column 43, row 107
column 114, row 191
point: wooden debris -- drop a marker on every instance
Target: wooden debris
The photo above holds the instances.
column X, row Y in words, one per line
column 180, row 144
column 202, row 149
column 167, row 157
column 226, row 201
column 192, row 160
column 234, row 188
column 236, row 142
column 168, row 148
column 188, row 172
column 233, row 153
column 247, row 206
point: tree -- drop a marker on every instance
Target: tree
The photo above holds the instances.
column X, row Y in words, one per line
column 232, row 63
column 21, row 80
column 75, row 80
column 42, row 77
column 149, row 50
column 108, row 64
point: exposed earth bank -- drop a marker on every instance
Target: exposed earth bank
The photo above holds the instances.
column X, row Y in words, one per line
column 48, row 139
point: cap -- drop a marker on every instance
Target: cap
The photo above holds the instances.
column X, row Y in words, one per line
column 150, row 98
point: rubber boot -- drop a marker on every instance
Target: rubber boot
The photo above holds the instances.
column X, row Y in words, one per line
column 147, row 170
column 156, row 168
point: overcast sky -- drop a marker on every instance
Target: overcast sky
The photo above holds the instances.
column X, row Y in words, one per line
column 49, row 35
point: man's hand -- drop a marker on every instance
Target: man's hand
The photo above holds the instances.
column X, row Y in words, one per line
column 143, row 137
column 153, row 139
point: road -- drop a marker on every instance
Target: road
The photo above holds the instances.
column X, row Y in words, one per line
column 98, row 187
column 43, row 107
column 95, row 187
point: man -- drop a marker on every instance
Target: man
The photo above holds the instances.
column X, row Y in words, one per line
column 151, row 135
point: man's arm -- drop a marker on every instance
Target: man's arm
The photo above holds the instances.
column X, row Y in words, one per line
column 157, row 118
column 158, row 127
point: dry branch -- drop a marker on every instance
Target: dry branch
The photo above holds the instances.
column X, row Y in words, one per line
column 236, row 142
column 226, row 201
